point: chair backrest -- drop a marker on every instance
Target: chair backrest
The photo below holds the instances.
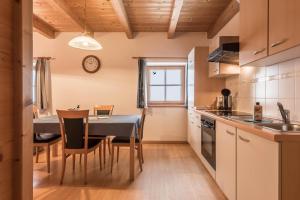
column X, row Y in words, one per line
column 141, row 128
column 74, row 128
column 35, row 112
column 103, row 109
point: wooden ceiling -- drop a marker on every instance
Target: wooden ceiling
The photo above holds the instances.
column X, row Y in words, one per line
column 131, row 16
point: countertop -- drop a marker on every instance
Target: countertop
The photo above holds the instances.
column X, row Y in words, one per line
column 266, row 133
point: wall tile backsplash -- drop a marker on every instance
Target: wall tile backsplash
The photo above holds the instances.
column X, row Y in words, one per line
column 268, row 85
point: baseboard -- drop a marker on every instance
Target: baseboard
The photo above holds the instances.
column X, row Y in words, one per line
column 163, row 142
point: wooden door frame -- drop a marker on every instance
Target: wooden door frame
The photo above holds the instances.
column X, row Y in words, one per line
column 16, row 102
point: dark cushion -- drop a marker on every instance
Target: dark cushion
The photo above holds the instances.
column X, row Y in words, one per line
column 103, row 112
column 74, row 129
column 123, row 140
column 98, row 136
column 45, row 137
column 93, row 142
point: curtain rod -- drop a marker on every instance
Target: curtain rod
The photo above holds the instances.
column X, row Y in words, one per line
column 160, row 57
column 49, row 58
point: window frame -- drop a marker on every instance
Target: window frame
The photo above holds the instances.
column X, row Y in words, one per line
column 182, row 101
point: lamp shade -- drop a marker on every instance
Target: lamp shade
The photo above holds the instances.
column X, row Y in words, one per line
column 85, row 42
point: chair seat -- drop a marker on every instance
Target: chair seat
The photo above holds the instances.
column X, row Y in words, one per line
column 93, row 142
column 45, row 137
column 98, row 136
column 124, row 140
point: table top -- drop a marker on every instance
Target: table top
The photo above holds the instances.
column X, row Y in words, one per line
column 114, row 125
column 119, row 119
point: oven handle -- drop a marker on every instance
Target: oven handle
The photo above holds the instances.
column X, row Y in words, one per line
column 206, row 126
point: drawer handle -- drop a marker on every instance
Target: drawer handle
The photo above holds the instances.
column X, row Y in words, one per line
column 229, row 132
column 259, row 51
column 243, row 139
column 275, row 44
column 1, row 157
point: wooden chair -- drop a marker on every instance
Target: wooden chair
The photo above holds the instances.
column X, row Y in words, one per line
column 104, row 110
column 44, row 140
column 74, row 132
column 125, row 142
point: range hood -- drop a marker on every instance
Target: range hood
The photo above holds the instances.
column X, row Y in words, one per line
column 227, row 52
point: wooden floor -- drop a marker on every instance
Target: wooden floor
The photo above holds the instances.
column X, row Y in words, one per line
column 171, row 171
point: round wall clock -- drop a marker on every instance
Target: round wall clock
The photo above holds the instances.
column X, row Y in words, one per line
column 91, row 64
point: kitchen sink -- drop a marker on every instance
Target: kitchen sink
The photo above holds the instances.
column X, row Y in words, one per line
column 282, row 127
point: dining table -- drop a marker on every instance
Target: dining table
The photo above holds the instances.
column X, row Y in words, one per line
column 113, row 125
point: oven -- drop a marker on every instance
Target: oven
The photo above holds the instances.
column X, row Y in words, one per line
column 208, row 140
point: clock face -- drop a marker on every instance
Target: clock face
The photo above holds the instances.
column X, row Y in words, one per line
column 91, row 64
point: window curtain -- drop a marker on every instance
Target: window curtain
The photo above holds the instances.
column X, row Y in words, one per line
column 43, row 86
column 141, row 93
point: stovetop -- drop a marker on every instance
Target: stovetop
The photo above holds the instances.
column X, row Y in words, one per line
column 229, row 113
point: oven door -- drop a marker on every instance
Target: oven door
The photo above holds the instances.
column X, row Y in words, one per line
column 208, row 144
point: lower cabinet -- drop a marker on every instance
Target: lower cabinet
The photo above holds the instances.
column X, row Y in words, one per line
column 257, row 168
column 194, row 131
column 226, row 159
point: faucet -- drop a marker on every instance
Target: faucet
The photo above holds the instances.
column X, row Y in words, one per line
column 284, row 113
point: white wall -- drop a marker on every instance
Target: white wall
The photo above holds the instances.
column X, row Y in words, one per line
column 116, row 82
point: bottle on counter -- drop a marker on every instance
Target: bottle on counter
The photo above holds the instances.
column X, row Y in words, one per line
column 258, row 112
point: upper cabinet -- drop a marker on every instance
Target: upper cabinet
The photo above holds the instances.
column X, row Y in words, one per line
column 253, row 30
column 284, row 28
column 268, row 31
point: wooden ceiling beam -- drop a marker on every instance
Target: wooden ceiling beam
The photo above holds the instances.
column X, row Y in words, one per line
column 119, row 8
column 175, row 17
column 43, row 27
column 63, row 7
column 230, row 11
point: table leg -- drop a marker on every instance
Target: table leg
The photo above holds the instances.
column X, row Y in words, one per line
column 131, row 168
column 55, row 150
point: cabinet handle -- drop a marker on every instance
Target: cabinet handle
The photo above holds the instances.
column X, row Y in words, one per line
column 243, row 139
column 259, row 51
column 1, row 157
column 229, row 132
column 275, row 44
column 192, row 122
column 198, row 126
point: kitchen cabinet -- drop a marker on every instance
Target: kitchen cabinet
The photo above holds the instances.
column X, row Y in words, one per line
column 191, row 80
column 221, row 70
column 226, row 159
column 201, row 90
column 253, row 30
column 257, row 167
column 194, row 131
column 284, row 28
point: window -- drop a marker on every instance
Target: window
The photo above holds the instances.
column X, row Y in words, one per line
column 165, row 85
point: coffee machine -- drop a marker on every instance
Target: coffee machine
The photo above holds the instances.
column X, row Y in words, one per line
column 224, row 102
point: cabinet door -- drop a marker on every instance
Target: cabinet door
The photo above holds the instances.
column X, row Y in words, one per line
column 253, row 30
column 226, row 159
column 213, row 69
column 189, row 126
column 191, row 80
column 284, row 26
column 257, row 167
column 194, row 131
